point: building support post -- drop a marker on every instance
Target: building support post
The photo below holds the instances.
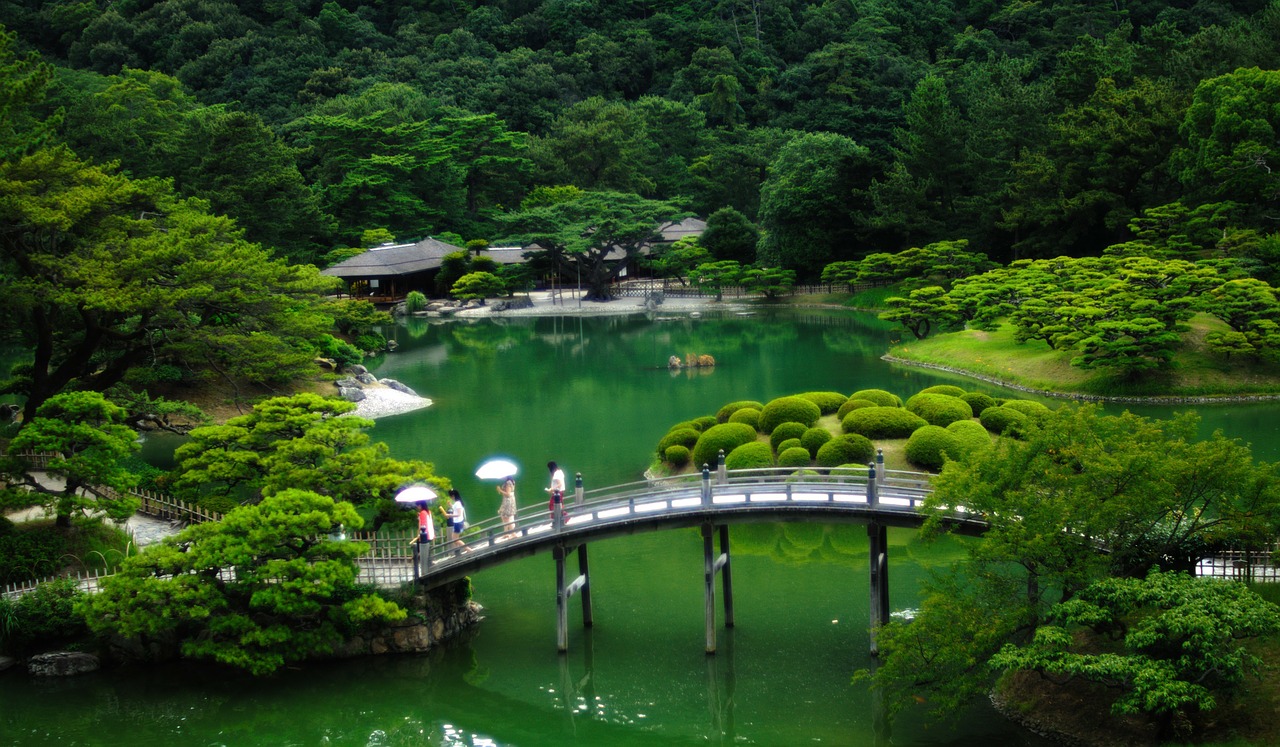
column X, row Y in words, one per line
column 877, row 534
column 726, row 576
column 713, row 564
column 564, row 591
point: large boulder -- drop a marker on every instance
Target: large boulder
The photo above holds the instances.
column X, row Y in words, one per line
column 62, row 663
column 351, row 393
column 393, row 384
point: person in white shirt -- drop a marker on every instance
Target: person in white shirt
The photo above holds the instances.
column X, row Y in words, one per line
column 556, row 489
column 457, row 518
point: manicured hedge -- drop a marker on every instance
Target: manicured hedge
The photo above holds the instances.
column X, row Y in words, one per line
column 940, row 409
column 797, row 456
column 882, row 422
column 978, row 401
column 827, row 402
column 747, row 416
column 749, row 456
column 850, row 448
column 722, row 415
column 704, row 422
column 814, row 438
column 677, row 455
column 947, row 389
column 685, row 437
column 788, row 410
column 878, row 396
column 785, row 431
column 727, row 436
column 790, row 443
column 929, row 447
column 1003, row 421
column 1034, row 411
column 973, row 437
column 852, row 404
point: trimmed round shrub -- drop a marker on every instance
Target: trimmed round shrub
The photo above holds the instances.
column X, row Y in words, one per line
column 1003, row 421
column 796, row 456
column 747, row 416
column 722, row 415
column 1034, row 411
column 940, row 409
column 685, row 437
column 882, row 422
column 749, row 456
column 788, row 410
column 947, row 389
column 814, row 438
column 785, row 431
column 727, row 436
column 704, row 422
column 929, row 447
column 978, row 401
column 853, row 404
column 677, row 455
column 827, row 402
column 878, row 396
column 973, row 437
column 850, row 448
column 790, row 443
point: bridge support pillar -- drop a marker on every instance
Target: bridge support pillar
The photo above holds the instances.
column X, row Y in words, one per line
column 878, row 536
column 713, row 564
column 564, row 591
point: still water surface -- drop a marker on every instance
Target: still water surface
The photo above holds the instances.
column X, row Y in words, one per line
column 595, row 395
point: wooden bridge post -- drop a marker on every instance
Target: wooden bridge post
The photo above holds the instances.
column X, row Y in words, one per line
column 726, row 578
column 564, row 591
column 722, row 474
column 709, row 587
column 417, row 561
column 584, row 574
column 577, row 489
column 877, row 534
column 706, row 486
column 879, row 475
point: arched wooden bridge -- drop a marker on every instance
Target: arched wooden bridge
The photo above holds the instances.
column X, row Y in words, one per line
column 873, row 496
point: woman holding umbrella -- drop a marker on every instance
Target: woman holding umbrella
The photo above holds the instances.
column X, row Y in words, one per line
column 507, row 509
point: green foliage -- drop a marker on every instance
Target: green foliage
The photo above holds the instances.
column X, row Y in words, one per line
column 973, row 437
column 677, row 455
column 923, row 310
column 30, row 553
column 947, row 389
column 730, row 236
column 292, row 595
column 44, row 618
column 1035, row 411
column 827, row 402
column 930, row 446
column 722, row 437
column 704, row 422
column 784, row 431
column 790, row 443
column 722, row 415
column 978, row 402
column 849, row 448
column 371, row 342
column 752, row 455
column 414, row 302
column 882, row 422
column 1004, row 421
column 852, row 404
column 747, row 415
column 794, row 457
column 686, row 437
column 341, row 352
column 772, row 282
column 939, row 409
column 478, row 285
column 879, row 396
column 814, row 438
column 788, row 410
column 353, row 315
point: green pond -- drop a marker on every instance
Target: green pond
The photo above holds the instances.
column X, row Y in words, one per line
column 595, row 395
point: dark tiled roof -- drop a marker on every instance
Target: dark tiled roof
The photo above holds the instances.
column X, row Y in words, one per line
column 399, row 259
column 687, row 227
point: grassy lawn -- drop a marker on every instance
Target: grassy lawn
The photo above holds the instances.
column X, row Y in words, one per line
column 1196, row 371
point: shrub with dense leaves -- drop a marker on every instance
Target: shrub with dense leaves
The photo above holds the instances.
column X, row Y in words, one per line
column 878, row 396
column 677, row 455
column 722, row 415
column 929, row 447
column 30, row 553
column 947, row 389
column 1035, row 411
column 790, row 443
column 785, row 431
column 814, row 438
column 796, row 456
column 940, row 409
column 700, row 424
column 827, row 402
column 747, row 416
column 726, row 436
column 978, row 401
column 973, row 437
column 788, row 410
column 44, row 618
column 749, row 456
column 882, row 422
column 852, row 404
column 850, row 448
column 1003, row 421
column 685, row 437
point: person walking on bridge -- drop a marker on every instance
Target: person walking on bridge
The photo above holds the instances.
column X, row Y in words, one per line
column 556, row 489
column 507, row 509
column 457, row 518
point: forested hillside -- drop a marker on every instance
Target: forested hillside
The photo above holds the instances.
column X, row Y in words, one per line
column 1031, row 129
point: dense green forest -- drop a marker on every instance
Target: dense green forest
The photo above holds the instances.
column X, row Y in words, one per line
column 1030, row 129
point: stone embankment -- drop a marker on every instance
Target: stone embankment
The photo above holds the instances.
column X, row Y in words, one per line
column 374, row 397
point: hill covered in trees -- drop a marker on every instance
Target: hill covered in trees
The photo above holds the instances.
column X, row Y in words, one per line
column 841, row 128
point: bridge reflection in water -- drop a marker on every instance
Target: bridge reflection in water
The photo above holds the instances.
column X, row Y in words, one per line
column 712, row 501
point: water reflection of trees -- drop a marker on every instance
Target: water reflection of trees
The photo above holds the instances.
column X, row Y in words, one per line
column 801, row 543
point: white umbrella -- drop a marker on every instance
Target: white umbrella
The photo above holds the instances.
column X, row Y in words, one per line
column 415, row 494
column 496, row 469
